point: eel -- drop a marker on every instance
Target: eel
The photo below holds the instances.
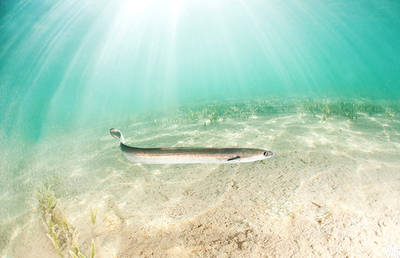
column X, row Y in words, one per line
column 185, row 155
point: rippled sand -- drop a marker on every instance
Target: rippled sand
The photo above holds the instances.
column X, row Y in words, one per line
column 332, row 189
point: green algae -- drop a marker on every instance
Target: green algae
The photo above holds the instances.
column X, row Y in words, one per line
column 350, row 109
column 62, row 234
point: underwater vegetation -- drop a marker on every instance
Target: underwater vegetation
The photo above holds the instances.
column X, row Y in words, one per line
column 93, row 215
column 326, row 108
column 61, row 233
column 240, row 110
column 350, row 109
column 212, row 113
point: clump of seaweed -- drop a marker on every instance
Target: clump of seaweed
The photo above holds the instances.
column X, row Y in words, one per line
column 93, row 215
column 348, row 109
column 62, row 235
column 329, row 109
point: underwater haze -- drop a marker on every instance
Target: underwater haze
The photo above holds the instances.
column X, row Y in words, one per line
column 316, row 81
column 72, row 63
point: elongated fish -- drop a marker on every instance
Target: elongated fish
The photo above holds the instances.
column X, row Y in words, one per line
column 189, row 155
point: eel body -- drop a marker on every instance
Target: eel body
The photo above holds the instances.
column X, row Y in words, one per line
column 182, row 155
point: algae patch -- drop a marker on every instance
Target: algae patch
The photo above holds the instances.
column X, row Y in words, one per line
column 61, row 233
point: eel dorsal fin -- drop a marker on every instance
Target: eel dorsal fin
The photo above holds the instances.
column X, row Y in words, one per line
column 233, row 158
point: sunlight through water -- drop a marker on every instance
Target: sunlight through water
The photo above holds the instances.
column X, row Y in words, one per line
column 316, row 82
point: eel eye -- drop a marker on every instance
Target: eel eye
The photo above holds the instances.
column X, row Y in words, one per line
column 268, row 153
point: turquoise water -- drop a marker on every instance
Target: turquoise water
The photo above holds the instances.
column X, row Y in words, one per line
column 73, row 63
column 319, row 78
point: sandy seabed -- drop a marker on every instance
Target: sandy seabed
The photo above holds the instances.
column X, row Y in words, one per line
column 332, row 189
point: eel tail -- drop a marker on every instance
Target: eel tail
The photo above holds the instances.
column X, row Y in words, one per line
column 117, row 134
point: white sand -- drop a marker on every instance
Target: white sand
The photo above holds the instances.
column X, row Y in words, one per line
column 332, row 189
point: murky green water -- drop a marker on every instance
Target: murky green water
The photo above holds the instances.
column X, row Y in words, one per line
column 310, row 80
